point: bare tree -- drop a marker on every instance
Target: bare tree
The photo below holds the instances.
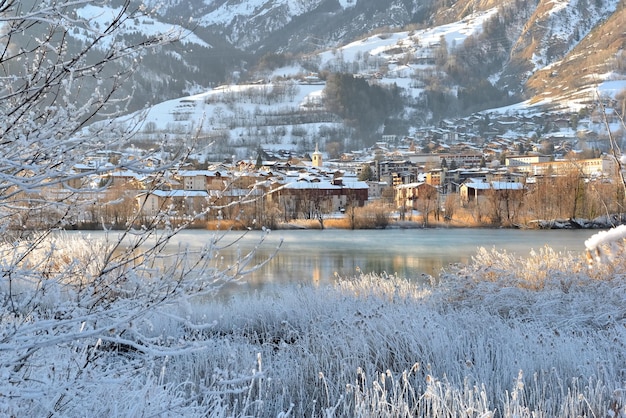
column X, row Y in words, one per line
column 427, row 201
column 75, row 314
column 451, row 204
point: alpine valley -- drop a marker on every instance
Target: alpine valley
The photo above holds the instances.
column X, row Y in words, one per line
column 251, row 73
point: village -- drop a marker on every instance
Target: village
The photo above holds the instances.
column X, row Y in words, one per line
column 454, row 185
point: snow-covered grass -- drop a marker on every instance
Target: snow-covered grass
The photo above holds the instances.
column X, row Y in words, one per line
column 540, row 336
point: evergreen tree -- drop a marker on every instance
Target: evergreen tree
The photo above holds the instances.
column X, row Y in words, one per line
column 363, row 106
column 366, row 174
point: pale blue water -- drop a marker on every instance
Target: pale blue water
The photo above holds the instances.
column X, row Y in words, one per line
column 319, row 255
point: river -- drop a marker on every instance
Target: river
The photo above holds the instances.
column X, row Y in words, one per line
column 319, row 255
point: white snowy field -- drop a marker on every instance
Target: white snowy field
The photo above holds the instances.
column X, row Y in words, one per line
column 541, row 336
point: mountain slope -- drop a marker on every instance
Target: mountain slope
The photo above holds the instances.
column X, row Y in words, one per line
column 519, row 51
column 450, row 58
column 597, row 57
column 295, row 26
column 550, row 39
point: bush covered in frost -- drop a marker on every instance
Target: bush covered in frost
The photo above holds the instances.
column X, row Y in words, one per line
column 503, row 336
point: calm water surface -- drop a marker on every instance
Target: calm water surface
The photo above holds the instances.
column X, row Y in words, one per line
column 319, row 255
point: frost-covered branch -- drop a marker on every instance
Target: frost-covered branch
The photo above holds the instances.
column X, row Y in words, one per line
column 72, row 309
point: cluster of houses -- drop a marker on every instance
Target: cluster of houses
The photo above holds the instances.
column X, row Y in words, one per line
column 467, row 159
column 298, row 189
column 471, row 180
column 307, row 189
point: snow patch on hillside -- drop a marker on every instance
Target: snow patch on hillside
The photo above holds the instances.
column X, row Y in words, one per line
column 392, row 45
column 211, row 104
column 611, row 88
column 558, row 6
column 241, row 115
column 101, row 17
column 561, row 18
column 346, row 4
column 229, row 12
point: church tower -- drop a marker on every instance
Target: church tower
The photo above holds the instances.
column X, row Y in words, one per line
column 317, row 157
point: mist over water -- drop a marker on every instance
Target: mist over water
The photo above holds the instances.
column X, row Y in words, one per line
column 318, row 256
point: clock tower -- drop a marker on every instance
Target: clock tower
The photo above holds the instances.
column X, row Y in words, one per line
column 317, row 157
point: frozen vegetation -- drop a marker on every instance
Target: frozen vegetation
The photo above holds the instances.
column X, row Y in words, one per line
column 122, row 328
column 541, row 336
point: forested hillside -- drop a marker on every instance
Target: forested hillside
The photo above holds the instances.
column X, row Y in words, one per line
column 525, row 49
column 389, row 67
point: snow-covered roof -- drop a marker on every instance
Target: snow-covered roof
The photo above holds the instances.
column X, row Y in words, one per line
column 477, row 185
column 179, row 193
column 194, row 173
column 326, row 185
column 506, row 185
column 125, row 173
column 495, row 185
column 410, row 185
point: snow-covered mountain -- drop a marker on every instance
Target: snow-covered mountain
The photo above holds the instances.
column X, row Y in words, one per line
column 524, row 49
column 442, row 71
column 445, row 60
column 288, row 25
column 524, row 36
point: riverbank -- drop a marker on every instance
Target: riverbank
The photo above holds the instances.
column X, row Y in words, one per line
column 502, row 336
column 378, row 218
column 385, row 221
column 576, row 223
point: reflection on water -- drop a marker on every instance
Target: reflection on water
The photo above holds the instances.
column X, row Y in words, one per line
column 319, row 255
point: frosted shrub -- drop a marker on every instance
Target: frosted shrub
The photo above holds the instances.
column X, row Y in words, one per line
column 404, row 397
column 540, row 269
column 89, row 329
column 378, row 345
column 51, row 269
column 371, row 345
column 85, row 318
column 606, row 248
